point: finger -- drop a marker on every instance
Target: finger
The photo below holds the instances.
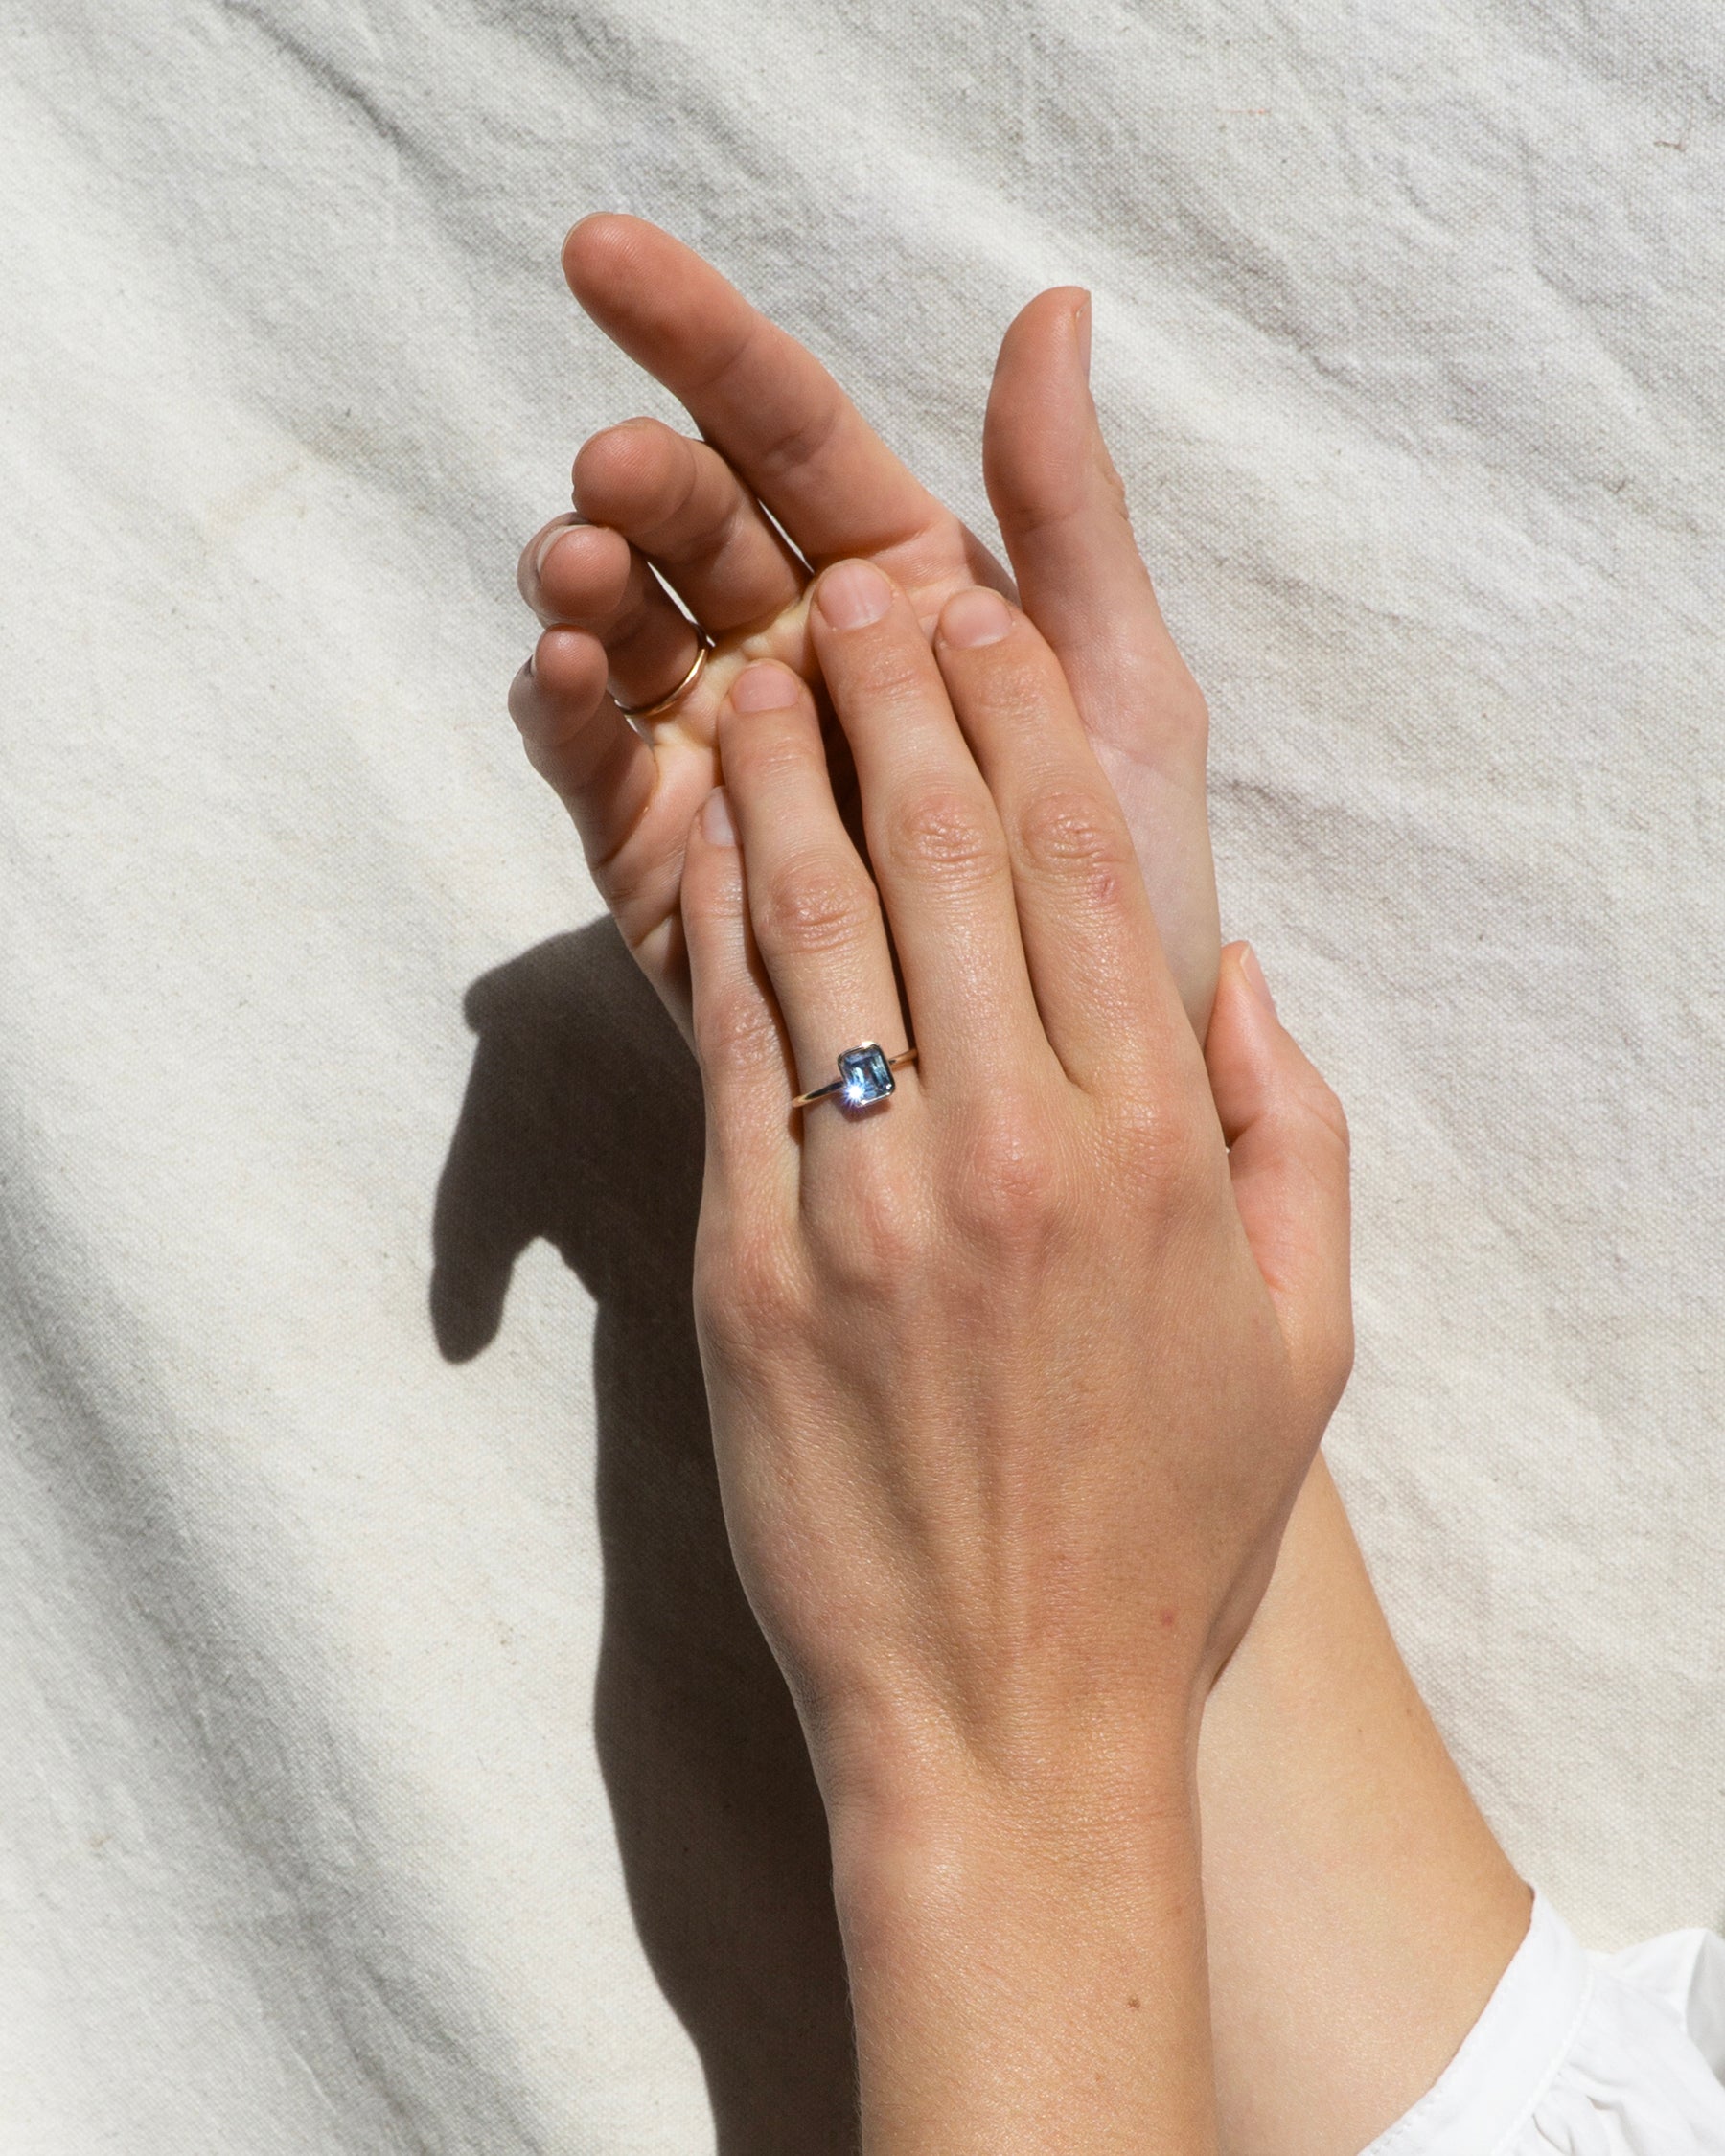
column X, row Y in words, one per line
column 684, row 506
column 631, row 802
column 1107, row 1000
column 934, row 840
column 1063, row 515
column 603, row 773
column 582, row 576
column 739, row 1041
column 815, row 913
column 767, row 405
column 1288, row 1155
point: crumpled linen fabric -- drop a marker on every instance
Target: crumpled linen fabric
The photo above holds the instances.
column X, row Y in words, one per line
column 389, row 1763
column 1585, row 2054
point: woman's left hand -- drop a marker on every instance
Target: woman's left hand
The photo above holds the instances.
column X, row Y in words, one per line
column 1014, row 1376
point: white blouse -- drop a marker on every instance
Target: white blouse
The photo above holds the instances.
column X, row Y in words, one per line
column 1585, row 2054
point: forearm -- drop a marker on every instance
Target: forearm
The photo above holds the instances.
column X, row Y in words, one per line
column 1356, row 1914
column 1028, row 1964
column 1359, row 1911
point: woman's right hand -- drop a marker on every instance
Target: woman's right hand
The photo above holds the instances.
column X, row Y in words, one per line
column 779, row 432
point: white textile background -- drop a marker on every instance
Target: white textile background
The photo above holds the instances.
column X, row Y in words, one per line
column 1408, row 340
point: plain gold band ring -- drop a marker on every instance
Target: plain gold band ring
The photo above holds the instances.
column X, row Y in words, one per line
column 658, row 709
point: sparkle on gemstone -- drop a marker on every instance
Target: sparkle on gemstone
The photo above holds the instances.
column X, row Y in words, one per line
column 867, row 1074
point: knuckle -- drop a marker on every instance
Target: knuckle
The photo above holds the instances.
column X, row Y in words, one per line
column 1324, row 1106
column 799, row 442
column 726, row 540
column 1069, row 832
column 1171, row 1162
column 735, row 1031
column 811, row 904
column 746, row 1290
column 672, row 519
column 771, row 754
column 871, row 1248
column 700, row 535
column 774, row 750
column 1307, row 1097
column 1009, row 1186
column 941, row 835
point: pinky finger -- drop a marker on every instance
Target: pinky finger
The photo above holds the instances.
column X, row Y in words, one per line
column 738, row 1037
column 601, row 769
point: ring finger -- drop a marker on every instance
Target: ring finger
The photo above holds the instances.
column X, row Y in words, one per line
column 815, row 913
column 582, row 576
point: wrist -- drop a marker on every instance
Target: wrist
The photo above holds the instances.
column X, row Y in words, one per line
column 967, row 1859
column 1027, row 1952
column 897, row 1781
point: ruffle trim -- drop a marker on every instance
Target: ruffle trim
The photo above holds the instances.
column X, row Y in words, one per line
column 1584, row 2055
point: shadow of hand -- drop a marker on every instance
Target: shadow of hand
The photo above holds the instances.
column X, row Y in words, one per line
column 581, row 1123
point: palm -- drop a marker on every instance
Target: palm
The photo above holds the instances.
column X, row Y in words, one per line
column 778, row 430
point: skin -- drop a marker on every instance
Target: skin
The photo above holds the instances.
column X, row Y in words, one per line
column 1359, row 1910
column 1013, row 1386
column 808, row 455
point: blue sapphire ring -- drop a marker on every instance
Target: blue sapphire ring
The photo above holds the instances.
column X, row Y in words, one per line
column 864, row 1076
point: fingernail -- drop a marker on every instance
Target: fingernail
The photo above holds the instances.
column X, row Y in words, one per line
column 765, row 688
column 973, row 618
column 716, row 825
column 1083, row 319
column 543, row 552
column 1255, row 974
column 853, row 595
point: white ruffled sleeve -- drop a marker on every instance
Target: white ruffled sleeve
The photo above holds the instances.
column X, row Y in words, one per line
column 1585, row 2054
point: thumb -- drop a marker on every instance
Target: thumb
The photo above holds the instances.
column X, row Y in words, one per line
column 1287, row 1139
column 1062, row 511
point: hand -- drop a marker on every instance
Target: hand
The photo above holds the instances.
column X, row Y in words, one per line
column 1013, row 1381
column 1314, row 1898
column 779, row 432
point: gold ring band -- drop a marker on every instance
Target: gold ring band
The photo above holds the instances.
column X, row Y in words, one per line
column 658, row 710
column 864, row 1076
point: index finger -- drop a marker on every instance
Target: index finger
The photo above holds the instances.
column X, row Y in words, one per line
column 767, row 405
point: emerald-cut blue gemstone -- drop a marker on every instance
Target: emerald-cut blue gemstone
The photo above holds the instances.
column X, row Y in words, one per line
column 866, row 1075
